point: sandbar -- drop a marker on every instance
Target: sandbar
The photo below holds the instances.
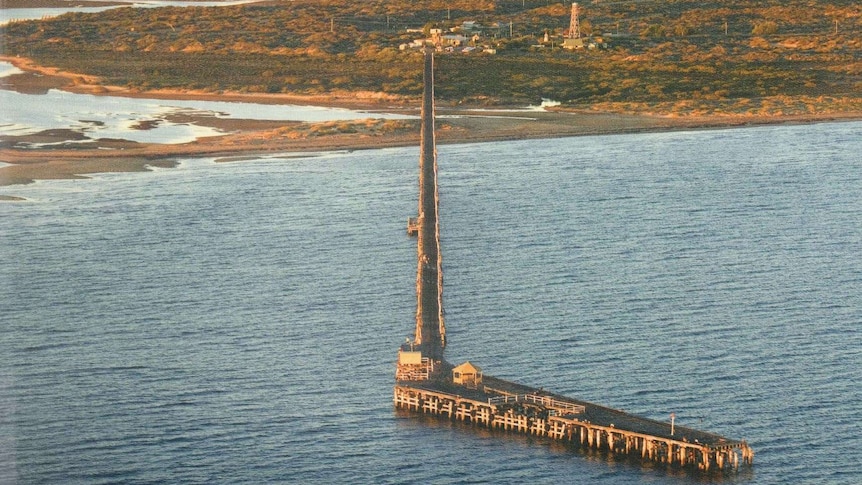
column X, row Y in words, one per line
column 245, row 139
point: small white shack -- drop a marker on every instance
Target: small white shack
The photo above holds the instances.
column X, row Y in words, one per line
column 467, row 374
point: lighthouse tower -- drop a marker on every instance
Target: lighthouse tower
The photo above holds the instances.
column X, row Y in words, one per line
column 574, row 25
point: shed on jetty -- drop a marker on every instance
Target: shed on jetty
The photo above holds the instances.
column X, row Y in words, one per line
column 467, row 375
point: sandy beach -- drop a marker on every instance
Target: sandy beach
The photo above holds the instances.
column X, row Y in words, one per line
column 247, row 138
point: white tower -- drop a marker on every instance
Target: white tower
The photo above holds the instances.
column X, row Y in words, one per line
column 574, row 26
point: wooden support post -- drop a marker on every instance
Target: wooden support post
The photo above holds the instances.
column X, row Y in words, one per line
column 483, row 415
column 462, row 412
column 536, row 426
column 430, row 405
column 448, row 408
column 657, row 449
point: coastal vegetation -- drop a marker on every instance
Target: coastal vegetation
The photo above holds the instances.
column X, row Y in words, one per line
column 680, row 57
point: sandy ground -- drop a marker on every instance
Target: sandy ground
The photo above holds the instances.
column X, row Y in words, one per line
column 247, row 138
column 58, row 3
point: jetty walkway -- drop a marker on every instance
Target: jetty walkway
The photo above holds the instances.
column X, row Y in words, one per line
column 430, row 335
column 427, row 384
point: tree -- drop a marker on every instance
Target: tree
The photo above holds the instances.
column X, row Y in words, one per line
column 764, row 28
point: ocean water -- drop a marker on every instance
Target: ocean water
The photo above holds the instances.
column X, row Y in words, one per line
column 238, row 323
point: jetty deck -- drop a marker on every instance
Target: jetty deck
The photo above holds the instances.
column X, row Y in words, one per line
column 426, row 383
column 430, row 335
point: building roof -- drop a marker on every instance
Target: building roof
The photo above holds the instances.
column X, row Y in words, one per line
column 467, row 368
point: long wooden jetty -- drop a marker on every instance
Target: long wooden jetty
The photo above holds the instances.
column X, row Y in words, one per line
column 426, row 383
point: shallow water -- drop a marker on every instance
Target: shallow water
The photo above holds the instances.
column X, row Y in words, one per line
column 239, row 322
column 140, row 119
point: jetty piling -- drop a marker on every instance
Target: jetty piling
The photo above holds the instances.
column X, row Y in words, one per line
column 427, row 384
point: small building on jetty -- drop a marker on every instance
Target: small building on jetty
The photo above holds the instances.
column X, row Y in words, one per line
column 426, row 383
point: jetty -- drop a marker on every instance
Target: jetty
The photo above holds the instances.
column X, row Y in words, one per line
column 426, row 383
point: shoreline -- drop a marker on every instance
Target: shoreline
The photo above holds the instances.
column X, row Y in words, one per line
column 18, row 4
column 245, row 139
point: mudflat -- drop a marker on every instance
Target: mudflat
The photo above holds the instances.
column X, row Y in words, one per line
column 247, row 138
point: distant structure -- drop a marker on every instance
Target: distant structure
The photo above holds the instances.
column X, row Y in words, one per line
column 574, row 25
column 573, row 38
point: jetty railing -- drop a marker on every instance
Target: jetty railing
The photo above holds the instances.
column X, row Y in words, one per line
column 415, row 372
column 710, row 454
column 546, row 401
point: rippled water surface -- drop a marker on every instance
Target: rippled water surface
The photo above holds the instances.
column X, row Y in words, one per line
column 239, row 322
